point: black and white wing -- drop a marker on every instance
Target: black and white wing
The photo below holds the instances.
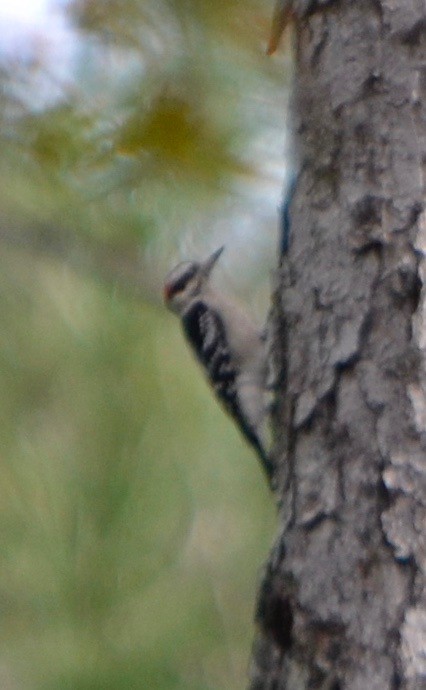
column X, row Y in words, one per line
column 206, row 333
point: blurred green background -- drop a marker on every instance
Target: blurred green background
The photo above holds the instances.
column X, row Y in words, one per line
column 133, row 519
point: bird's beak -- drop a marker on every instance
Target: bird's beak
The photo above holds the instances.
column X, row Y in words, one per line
column 210, row 262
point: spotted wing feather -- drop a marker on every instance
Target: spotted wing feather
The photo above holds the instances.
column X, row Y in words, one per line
column 206, row 333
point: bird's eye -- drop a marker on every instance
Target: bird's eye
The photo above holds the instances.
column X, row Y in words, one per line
column 180, row 284
column 173, row 287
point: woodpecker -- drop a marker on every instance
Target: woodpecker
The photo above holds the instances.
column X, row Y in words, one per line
column 227, row 344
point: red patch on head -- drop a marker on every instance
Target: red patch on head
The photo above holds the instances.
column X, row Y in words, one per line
column 167, row 292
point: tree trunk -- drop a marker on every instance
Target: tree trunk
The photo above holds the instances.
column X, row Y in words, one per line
column 343, row 600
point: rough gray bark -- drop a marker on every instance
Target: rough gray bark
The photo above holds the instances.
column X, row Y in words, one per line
column 343, row 601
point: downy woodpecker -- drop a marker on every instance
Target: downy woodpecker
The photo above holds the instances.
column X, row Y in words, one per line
column 227, row 344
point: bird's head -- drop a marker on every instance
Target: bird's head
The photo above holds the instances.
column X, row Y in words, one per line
column 185, row 281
